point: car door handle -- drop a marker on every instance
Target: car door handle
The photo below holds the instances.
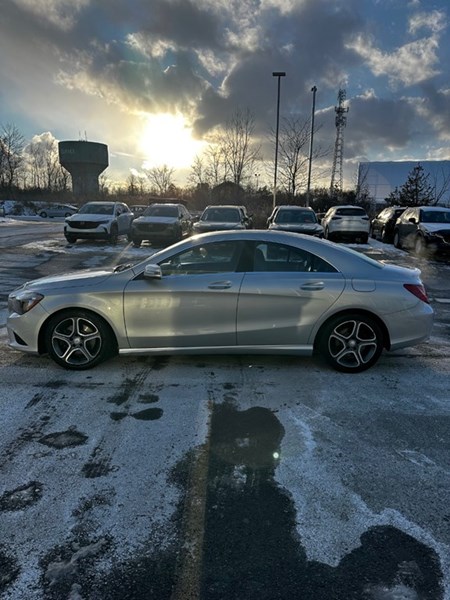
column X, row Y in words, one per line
column 313, row 285
column 220, row 285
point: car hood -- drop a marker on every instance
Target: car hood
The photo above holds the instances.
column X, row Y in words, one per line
column 298, row 227
column 165, row 220
column 91, row 218
column 435, row 227
column 75, row 279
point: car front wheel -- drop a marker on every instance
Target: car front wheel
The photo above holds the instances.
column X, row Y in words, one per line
column 113, row 236
column 71, row 238
column 78, row 340
column 351, row 343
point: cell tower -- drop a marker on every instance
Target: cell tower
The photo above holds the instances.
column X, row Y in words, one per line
column 341, row 121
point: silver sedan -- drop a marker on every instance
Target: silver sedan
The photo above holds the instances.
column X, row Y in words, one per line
column 247, row 292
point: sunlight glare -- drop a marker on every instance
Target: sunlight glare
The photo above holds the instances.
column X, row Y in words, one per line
column 166, row 140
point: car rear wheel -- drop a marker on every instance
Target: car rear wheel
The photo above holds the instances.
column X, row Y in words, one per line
column 420, row 246
column 71, row 238
column 137, row 242
column 78, row 340
column 397, row 242
column 351, row 343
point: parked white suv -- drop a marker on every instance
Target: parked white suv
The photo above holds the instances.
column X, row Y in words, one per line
column 346, row 222
column 99, row 220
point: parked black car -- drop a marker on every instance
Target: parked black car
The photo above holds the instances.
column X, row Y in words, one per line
column 223, row 217
column 161, row 223
column 299, row 219
column 382, row 226
column 424, row 229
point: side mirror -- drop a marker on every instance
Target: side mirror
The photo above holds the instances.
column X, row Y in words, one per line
column 152, row 271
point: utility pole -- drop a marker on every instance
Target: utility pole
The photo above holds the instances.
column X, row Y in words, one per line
column 308, row 187
column 278, row 74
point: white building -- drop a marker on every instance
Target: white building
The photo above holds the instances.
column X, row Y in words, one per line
column 379, row 179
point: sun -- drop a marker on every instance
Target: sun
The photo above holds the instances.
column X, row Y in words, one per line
column 167, row 140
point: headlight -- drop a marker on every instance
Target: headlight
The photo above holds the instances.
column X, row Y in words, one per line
column 22, row 302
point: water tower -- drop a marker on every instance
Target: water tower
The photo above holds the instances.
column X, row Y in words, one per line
column 84, row 161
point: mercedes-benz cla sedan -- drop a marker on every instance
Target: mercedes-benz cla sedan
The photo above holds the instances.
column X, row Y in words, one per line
column 247, row 292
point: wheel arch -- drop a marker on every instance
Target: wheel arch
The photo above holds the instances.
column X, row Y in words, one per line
column 353, row 313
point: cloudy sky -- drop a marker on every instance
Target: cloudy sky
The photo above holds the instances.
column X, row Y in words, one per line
column 153, row 78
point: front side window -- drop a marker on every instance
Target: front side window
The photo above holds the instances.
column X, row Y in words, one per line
column 215, row 257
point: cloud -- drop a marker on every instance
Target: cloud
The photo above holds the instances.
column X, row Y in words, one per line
column 410, row 64
column 435, row 21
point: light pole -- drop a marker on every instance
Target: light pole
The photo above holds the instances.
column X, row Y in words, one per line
column 278, row 74
column 308, row 187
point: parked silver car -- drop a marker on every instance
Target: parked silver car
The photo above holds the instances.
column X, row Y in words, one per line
column 249, row 291
column 99, row 221
column 57, row 210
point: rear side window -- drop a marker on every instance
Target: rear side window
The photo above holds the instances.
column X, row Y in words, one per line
column 280, row 258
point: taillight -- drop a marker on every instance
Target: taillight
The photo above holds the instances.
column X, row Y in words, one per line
column 418, row 291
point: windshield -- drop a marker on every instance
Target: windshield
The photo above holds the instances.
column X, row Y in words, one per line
column 160, row 211
column 295, row 216
column 96, row 208
column 222, row 215
column 436, row 216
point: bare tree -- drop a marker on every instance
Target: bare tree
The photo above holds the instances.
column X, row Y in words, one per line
column 11, row 147
column 237, row 149
column 441, row 187
column 160, row 178
column 43, row 166
column 293, row 152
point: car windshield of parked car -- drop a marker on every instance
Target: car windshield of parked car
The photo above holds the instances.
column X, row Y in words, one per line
column 97, row 209
column 160, row 211
column 435, row 216
column 226, row 215
column 294, row 216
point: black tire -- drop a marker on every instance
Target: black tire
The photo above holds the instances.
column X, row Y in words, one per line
column 364, row 238
column 78, row 339
column 113, row 235
column 68, row 214
column 420, row 246
column 383, row 236
column 371, row 233
column 397, row 242
column 351, row 343
column 43, row 214
column 70, row 238
column 327, row 234
column 136, row 242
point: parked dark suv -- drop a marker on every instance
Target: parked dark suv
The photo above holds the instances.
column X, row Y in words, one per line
column 161, row 223
column 424, row 229
column 382, row 226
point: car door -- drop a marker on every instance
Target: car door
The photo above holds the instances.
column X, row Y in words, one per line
column 124, row 217
column 194, row 303
column 285, row 295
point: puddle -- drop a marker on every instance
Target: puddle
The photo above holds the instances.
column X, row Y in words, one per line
column 64, row 439
column 21, row 497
